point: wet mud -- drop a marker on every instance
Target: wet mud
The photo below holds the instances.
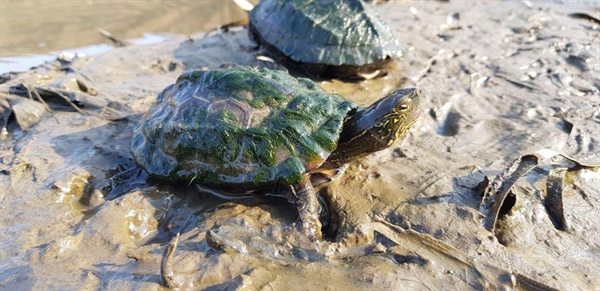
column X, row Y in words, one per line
column 77, row 213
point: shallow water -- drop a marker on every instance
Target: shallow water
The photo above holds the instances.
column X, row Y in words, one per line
column 32, row 32
column 31, row 27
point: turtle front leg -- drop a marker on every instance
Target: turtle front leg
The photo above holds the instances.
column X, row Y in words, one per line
column 305, row 199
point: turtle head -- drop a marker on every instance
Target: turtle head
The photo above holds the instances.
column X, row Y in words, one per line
column 376, row 127
column 388, row 119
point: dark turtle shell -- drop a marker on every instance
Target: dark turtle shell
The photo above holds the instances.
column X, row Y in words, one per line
column 328, row 32
column 239, row 127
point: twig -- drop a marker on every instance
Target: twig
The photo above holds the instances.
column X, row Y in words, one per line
column 117, row 42
column 436, row 250
column 553, row 201
column 63, row 96
column 31, row 90
column 166, row 265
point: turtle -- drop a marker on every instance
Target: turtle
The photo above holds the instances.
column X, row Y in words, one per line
column 244, row 131
column 343, row 39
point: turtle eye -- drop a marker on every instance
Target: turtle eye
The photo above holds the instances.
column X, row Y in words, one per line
column 404, row 107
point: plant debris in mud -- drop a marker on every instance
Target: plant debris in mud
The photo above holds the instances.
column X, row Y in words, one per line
column 499, row 189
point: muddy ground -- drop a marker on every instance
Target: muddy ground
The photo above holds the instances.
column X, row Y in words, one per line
column 499, row 80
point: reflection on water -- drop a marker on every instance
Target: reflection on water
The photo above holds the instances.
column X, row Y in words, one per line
column 30, row 30
column 24, row 62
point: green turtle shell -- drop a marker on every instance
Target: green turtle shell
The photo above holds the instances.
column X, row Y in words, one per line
column 328, row 32
column 241, row 125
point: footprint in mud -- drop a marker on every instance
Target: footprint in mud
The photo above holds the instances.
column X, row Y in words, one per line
column 17, row 278
column 448, row 120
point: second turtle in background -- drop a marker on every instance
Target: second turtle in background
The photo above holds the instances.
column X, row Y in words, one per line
column 330, row 39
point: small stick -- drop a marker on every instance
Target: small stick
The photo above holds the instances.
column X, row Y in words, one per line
column 63, row 96
column 31, row 90
column 116, row 41
column 166, row 265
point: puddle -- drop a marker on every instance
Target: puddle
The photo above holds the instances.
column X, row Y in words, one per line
column 24, row 63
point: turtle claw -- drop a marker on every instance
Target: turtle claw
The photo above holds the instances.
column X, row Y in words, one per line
column 217, row 242
column 311, row 228
column 307, row 203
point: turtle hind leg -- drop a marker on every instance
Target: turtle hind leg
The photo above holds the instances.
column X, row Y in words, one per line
column 304, row 197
